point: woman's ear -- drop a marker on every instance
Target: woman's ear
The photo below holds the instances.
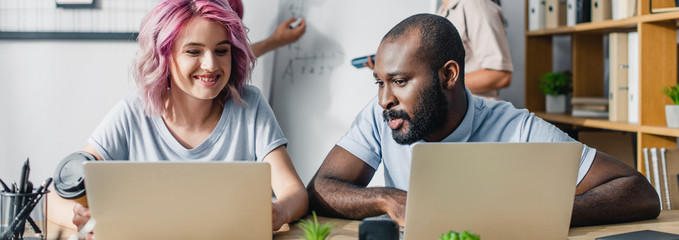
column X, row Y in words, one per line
column 449, row 74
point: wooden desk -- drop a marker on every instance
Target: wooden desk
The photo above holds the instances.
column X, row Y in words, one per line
column 668, row 221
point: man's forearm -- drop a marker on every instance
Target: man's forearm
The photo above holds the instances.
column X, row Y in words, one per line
column 335, row 198
column 622, row 199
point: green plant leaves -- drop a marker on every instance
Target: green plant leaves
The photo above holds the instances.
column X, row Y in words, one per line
column 555, row 83
column 466, row 235
column 673, row 93
column 314, row 231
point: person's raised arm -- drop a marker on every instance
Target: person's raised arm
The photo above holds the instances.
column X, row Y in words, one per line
column 485, row 80
column 282, row 36
column 613, row 192
column 291, row 198
column 339, row 190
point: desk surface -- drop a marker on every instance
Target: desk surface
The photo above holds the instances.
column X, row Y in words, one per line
column 668, row 221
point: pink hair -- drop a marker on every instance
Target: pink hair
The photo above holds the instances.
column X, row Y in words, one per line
column 237, row 6
column 157, row 34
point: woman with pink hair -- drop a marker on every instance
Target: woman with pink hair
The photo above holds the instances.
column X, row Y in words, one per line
column 193, row 102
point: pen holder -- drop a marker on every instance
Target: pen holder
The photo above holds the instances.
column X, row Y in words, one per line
column 32, row 224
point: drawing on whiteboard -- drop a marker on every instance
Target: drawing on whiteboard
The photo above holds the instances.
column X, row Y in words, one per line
column 313, row 57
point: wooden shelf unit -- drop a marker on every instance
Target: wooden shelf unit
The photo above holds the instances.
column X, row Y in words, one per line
column 657, row 68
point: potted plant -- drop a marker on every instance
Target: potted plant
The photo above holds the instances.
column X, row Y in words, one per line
column 555, row 86
column 314, row 231
column 672, row 111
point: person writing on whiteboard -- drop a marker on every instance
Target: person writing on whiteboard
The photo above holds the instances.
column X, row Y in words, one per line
column 194, row 103
column 422, row 97
column 488, row 66
column 286, row 33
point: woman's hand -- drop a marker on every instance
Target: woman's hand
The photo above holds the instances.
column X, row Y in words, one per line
column 81, row 215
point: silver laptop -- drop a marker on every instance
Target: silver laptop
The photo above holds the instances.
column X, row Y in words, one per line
column 179, row 200
column 497, row 190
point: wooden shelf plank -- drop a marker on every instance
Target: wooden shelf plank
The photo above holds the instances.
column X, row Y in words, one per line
column 608, row 25
column 660, row 130
column 588, row 27
column 601, row 123
column 656, row 17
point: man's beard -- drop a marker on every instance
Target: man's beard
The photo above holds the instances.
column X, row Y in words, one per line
column 429, row 115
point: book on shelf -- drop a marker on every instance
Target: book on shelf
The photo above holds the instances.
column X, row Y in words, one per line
column 662, row 171
column 633, row 77
column 601, row 10
column 618, row 77
column 591, row 107
column 536, row 15
column 579, row 11
column 555, row 13
column 657, row 184
column 589, row 101
column 589, row 113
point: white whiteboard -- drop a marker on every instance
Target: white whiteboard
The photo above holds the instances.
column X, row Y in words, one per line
column 316, row 92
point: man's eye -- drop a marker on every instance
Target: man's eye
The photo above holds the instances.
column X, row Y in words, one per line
column 400, row 82
column 379, row 83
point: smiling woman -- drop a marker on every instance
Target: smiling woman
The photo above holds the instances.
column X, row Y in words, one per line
column 194, row 105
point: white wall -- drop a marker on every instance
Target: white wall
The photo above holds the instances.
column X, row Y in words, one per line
column 54, row 94
column 514, row 12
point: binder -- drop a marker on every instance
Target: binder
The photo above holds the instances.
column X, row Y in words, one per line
column 618, row 67
column 656, row 176
column 601, row 10
column 579, row 11
column 621, row 9
column 647, row 166
column 555, row 13
column 633, row 77
column 665, row 182
column 536, row 15
column 672, row 161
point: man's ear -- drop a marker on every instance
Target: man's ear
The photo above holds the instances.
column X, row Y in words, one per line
column 450, row 74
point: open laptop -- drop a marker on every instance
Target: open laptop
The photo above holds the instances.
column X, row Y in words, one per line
column 497, row 190
column 179, row 200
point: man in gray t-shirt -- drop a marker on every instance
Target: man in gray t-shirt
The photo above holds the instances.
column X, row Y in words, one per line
column 419, row 71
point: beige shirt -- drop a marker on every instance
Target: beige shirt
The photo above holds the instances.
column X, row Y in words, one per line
column 482, row 29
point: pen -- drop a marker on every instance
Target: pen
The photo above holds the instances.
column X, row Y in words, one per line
column 23, row 215
column 23, row 188
column 296, row 23
column 16, row 224
column 4, row 186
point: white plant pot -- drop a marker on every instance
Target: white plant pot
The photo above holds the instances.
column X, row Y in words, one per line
column 672, row 115
column 555, row 103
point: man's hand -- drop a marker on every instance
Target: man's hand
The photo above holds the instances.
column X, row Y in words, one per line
column 395, row 206
column 278, row 217
column 81, row 215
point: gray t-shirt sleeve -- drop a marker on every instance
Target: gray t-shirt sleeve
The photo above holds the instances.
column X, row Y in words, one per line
column 538, row 130
column 268, row 134
column 363, row 139
column 110, row 138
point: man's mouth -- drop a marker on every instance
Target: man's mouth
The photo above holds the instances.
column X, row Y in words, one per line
column 395, row 123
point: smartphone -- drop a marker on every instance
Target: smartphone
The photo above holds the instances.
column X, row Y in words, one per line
column 358, row 62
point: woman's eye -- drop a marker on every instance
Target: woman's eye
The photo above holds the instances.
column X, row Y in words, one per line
column 193, row 52
column 221, row 51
